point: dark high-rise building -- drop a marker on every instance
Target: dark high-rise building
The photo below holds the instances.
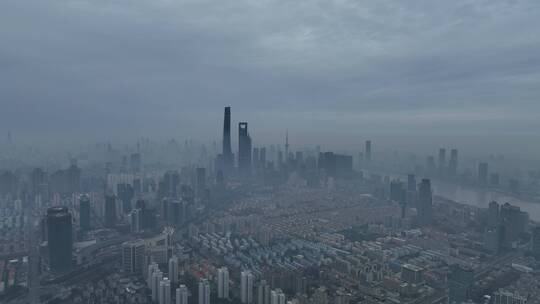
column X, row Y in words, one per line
column 397, row 193
column 110, row 210
column 482, row 174
column 367, row 151
column 84, row 212
column 460, row 280
column 425, row 202
column 453, row 164
column 442, row 161
column 244, row 149
column 335, row 164
column 514, row 222
column 60, row 239
column 227, row 150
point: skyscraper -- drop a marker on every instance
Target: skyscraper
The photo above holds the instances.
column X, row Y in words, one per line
column 227, row 151
column 263, row 292
column 182, row 294
column 453, row 164
column 244, row 149
column 173, row 269
column 133, row 255
column 425, row 202
column 204, row 292
column 84, row 212
column 246, row 287
column 60, row 238
column 367, row 152
column 165, row 291
column 223, row 283
column 277, row 297
column 157, row 276
column 482, row 173
column 442, row 162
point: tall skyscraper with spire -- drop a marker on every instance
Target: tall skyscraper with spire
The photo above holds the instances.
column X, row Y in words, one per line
column 244, row 149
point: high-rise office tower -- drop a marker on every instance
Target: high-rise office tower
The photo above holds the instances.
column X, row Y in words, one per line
column 425, row 202
column 182, row 294
column 204, row 292
column 367, row 151
column 244, row 149
column 482, row 174
column 173, row 269
column 165, row 291
column 110, row 210
column 223, row 283
column 60, row 238
column 246, row 287
column 84, row 212
column 133, row 255
column 453, row 164
column 442, row 162
column 227, row 150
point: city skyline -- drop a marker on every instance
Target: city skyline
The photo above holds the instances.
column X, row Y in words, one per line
column 389, row 69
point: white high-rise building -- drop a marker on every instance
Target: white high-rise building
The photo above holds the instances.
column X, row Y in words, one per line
column 173, row 269
column 165, row 291
column 277, row 297
column 151, row 268
column 157, row 276
column 223, row 283
column 263, row 293
column 246, row 287
column 182, row 294
column 204, row 292
column 133, row 255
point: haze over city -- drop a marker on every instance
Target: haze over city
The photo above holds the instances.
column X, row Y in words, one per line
column 269, row 152
column 328, row 71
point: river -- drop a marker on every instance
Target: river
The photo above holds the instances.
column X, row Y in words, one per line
column 481, row 197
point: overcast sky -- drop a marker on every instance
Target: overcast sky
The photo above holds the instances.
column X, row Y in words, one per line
column 335, row 72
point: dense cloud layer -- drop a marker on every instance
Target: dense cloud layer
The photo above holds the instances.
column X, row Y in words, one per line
column 107, row 68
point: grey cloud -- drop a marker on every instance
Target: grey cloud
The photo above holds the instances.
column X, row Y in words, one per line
column 168, row 66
